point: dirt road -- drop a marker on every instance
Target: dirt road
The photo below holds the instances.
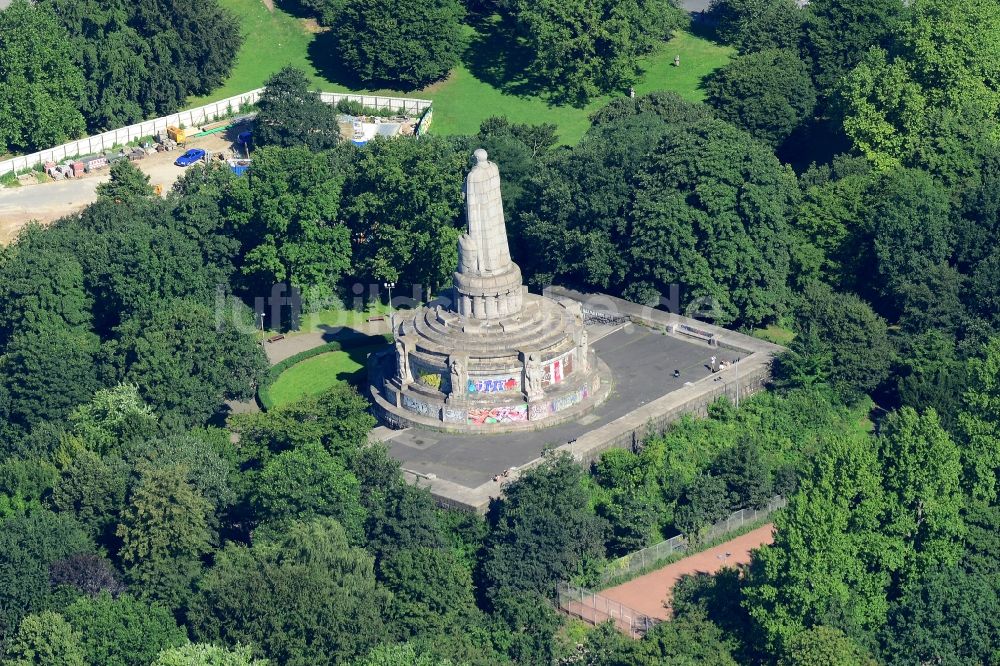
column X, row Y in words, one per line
column 50, row 201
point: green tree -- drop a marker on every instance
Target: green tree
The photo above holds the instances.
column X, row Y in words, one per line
column 127, row 182
column 946, row 617
column 400, row 516
column 41, row 284
column 755, row 25
column 185, row 361
column 307, row 599
column 404, row 207
column 580, row 49
column 40, row 85
column 290, row 115
column 46, row 372
column 305, row 482
column 93, row 489
column 432, row 590
column 207, row 456
column 831, row 562
column 144, row 59
column 542, row 531
column 113, row 419
column 164, row 532
column 837, row 33
column 45, row 639
column 900, row 108
column 979, row 425
column 337, row 418
column 717, row 203
column 402, row 654
column 285, row 213
column 746, row 475
column 123, row 631
column 704, row 502
column 855, row 338
column 394, row 44
column 137, row 261
column 823, row 645
column 922, row 473
column 201, row 654
column 768, row 93
column 29, row 545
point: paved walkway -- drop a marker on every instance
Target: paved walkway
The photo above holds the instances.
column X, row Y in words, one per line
column 649, row 594
column 293, row 344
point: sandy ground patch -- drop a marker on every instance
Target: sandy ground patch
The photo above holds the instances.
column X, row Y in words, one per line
column 48, row 202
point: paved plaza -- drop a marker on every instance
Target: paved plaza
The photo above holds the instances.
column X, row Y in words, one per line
column 642, row 361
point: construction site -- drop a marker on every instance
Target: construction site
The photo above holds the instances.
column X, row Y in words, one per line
column 55, row 188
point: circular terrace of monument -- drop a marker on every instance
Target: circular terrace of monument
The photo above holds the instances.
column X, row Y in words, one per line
column 488, row 356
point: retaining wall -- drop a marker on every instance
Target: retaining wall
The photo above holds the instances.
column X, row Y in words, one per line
column 737, row 382
column 191, row 118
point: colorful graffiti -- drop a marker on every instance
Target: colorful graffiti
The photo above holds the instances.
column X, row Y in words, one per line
column 493, row 384
column 489, row 415
column 557, row 369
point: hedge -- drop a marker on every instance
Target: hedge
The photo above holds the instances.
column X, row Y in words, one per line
column 264, row 390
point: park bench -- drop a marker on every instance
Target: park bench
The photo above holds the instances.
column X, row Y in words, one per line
column 691, row 331
column 374, row 319
column 275, row 338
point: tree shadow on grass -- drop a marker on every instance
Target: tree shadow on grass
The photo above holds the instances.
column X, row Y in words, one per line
column 496, row 56
column 322, row 55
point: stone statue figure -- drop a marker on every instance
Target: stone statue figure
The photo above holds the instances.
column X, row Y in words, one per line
column 468, row 254
column 532, row 377
column 402, row 363
column 484, row 217
column 457, row 378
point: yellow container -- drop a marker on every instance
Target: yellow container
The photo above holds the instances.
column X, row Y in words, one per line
column 177, row 134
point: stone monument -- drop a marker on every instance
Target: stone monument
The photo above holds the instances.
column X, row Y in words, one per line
column 488, row 355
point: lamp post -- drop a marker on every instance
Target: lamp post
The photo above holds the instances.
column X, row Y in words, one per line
column 260, row 323
column 389, row 286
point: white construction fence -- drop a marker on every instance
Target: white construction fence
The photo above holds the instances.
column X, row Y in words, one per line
column 192, row 118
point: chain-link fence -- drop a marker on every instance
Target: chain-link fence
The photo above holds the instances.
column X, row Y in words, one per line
column 595, row 609
column 641, row 559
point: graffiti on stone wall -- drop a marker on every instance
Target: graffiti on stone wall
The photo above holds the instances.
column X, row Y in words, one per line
column 418, row 407
column 490, row 415
column 545, row 409
column 426, row 375
column 494, row 384
column 453, row 415
column 557, row 369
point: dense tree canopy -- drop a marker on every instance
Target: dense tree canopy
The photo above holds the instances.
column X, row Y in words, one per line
column 768, row 93
column 582, row 48
column 40, row 85
column 145, row 59
column 394, row 43
column 289, row 114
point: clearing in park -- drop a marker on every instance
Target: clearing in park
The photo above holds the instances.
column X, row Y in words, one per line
column 462, row 101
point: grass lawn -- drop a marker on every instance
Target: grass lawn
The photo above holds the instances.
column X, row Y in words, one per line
column 324, row 320
column 774, row 333
column 464, row 99
column 315, row 375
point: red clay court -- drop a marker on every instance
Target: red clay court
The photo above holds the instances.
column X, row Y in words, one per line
column 648, row 593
